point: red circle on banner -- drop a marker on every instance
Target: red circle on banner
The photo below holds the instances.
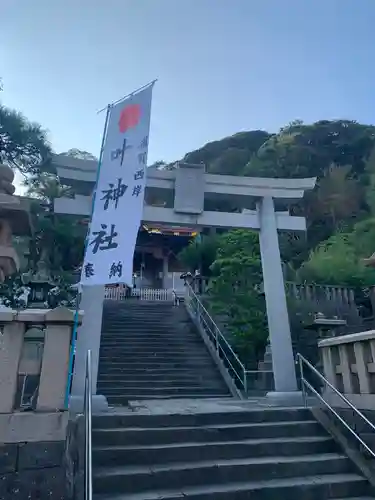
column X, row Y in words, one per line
column 129, row 117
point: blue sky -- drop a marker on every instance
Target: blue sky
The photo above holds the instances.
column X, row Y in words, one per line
column 223, row 66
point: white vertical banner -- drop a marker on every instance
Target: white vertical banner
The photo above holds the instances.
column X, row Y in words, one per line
column 119, row 197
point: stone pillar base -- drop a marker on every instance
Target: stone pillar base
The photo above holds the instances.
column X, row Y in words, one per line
column 278, row 398
column 99, row 404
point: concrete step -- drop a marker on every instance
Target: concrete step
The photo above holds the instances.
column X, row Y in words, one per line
column 113, row 384
column 143, row 478
column 147, row 333
column 136, row 340
column 196, row 420
column 139, row 318
column 150, row 337
column 176, row 391
column 193, row 452
column 145, row 374
column 179, row 349
column 152, row 357
column 120, row 401
column 151, row 364
column 207, row 433
column 129, row 339
column 322, row 487
column 158, row 373
column 156, row 389
column 154, row 325
column 178, row 353
column 164, row 314
column 175, row 347
column 153, row 337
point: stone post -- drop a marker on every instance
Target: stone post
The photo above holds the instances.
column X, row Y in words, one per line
column 55, row 363
column 277, row 311
column 88, row 337
column 11, row 341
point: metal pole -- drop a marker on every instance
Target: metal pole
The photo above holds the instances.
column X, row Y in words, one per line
column 131, row 94
column 89, row 428
column 300, row 362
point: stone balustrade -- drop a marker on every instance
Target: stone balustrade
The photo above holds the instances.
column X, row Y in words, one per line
column 349, row 365
column 34, row 358
column 34, row 361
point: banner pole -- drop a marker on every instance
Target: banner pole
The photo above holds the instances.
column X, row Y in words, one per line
column 79, row 292
column 131, row 94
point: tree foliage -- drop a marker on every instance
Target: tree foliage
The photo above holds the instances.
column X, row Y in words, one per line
column 55, row 235
column 23, row 145
column 229, row 155
column 46, row 187
column 300, row 150
column 80, row 154
column 200, row 254
column 337, row 152
column 234, row 293
column 339, row 260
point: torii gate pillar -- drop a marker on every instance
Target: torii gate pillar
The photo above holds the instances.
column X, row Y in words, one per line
column 277, row 312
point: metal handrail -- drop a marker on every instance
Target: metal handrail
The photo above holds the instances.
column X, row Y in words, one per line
column 218, row 337
column 303, row 361
column 176, row 298
column 88, row 427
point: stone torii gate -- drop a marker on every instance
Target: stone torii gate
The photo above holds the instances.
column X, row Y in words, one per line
column 192, row 187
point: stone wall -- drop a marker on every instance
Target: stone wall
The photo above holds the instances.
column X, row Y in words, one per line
column 74, row 459
column 32, row 455
column 32, row 470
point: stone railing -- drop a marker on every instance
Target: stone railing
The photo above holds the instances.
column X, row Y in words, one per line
column 349, row 365
column 34, row 358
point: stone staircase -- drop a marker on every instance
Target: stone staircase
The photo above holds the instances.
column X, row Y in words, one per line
column 261, row 454
column 152, row 350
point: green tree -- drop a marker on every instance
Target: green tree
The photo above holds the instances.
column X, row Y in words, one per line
column 339, row 260
column 237, row 278
column 23, row 145
column 56, row 235
column 160, row 165
column 370, row 182
column 229, row 155
column 200, row 254
column 300, row 150
column 46, row 187
column 337, row 199
column 80, row 154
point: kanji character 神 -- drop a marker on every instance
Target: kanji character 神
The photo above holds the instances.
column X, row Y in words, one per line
column 114, row 193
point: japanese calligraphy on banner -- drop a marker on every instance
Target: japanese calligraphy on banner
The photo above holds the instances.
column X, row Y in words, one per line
column 119, row 194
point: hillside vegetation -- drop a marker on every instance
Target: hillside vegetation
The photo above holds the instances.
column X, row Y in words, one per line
column 340, row 211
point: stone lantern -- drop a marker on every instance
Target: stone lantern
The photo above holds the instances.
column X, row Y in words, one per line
column 39, row 282
column 14, row 220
